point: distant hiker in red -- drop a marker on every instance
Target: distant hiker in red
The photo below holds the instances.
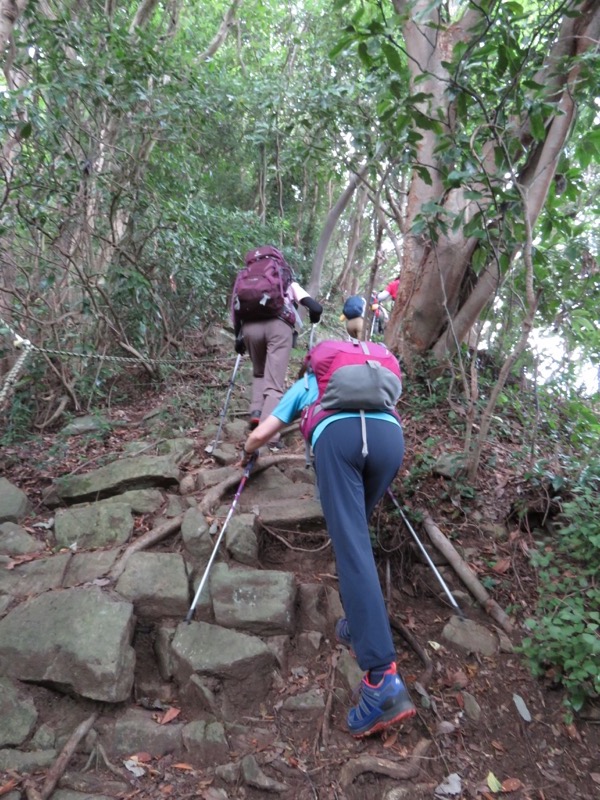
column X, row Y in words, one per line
column 264, row 310
column 391, row 290
column 346, row 401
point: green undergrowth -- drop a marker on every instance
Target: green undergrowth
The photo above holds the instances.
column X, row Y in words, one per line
column 552, row 435
column 564, row 639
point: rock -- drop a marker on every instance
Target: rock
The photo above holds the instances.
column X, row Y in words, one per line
column 141, row 472
column 91, row 423
column 205, row 742
column 94, row 524
column 241, row 540
column 19, row 761
column 15, row 541
column 256, row 601
column 17, row 712
column 137, row 731
column 305, row 704
column 253, row 776
column 472, row 707
column 157, row 584
column 14, row 504
column 470, row 636
column 36, row 576
column 48, row 640
column 196, row 538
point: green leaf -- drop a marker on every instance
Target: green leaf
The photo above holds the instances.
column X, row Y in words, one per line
column 493, row 783
column 538, row 130
column 343, row 44
column 364, row 55
column 502, row 63
column 25, row 130
column 392, row 56
column 424, row 174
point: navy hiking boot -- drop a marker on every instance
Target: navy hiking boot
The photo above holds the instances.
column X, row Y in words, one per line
column 380, row 706
column 342, row 633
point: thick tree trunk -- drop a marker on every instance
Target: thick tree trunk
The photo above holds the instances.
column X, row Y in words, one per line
column 10, row 11
column 433, row 309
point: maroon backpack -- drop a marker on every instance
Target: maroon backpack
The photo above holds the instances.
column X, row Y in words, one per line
column 260, row 289
column 352, row 376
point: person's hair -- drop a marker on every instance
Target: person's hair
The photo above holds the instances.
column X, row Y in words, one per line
column 302, row 371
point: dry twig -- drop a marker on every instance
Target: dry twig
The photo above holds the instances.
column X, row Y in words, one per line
column 322, row 737
column 55, row 772
column 425, row 676
column 466, row 574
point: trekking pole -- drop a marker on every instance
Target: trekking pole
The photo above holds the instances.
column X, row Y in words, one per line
column 312, row 336
column 372, row 327
column 245, row 477
column 211, row 447
column 436, row 572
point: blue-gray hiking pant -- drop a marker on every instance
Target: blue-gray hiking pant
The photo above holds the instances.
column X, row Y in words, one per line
column 350, row 486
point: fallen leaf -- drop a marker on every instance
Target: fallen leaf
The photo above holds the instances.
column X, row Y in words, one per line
column 511, row 785
column 472, row 670
column 134, row 768
column 391, row 740
column 450, row 786
column 502, row 566
column 18, row 560
column 595, row 776
column 169, row 715
column 166, row 789
column 572, row 732
column 498, row 746
column 8, row 787
column 182, row 765
column 521, row 707
column 493, row 782
column 458, row 679
column 142, row 758
column 445, row 727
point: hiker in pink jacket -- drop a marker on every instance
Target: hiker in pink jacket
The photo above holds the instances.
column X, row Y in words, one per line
column 357, row 453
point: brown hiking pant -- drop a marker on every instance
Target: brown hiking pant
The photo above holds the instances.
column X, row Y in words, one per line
column 269, row 345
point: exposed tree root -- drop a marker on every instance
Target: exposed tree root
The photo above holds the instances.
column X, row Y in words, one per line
column 56, row 770
column 403, row 771
column 100, row 753
column 143, row 542
column 216, row 493
column 466, row 574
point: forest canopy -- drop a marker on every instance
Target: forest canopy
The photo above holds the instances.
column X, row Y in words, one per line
column 147, row 146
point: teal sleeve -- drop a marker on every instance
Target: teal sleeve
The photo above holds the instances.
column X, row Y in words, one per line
column 294, row 401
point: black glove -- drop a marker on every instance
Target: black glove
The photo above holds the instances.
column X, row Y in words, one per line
column 314, row 309
column 240, row 345
column 247, row 456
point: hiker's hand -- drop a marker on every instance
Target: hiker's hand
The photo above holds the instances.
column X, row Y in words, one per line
column 247, row 456
column 240, row 345
column 314, row 309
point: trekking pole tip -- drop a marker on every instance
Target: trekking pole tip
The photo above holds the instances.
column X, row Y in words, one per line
column 189, row 615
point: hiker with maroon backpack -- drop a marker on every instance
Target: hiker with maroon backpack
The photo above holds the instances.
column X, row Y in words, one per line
column 346, row 401
column 264, row 310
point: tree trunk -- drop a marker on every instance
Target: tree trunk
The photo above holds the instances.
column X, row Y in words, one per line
column 333, row 217
column 436, row 307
